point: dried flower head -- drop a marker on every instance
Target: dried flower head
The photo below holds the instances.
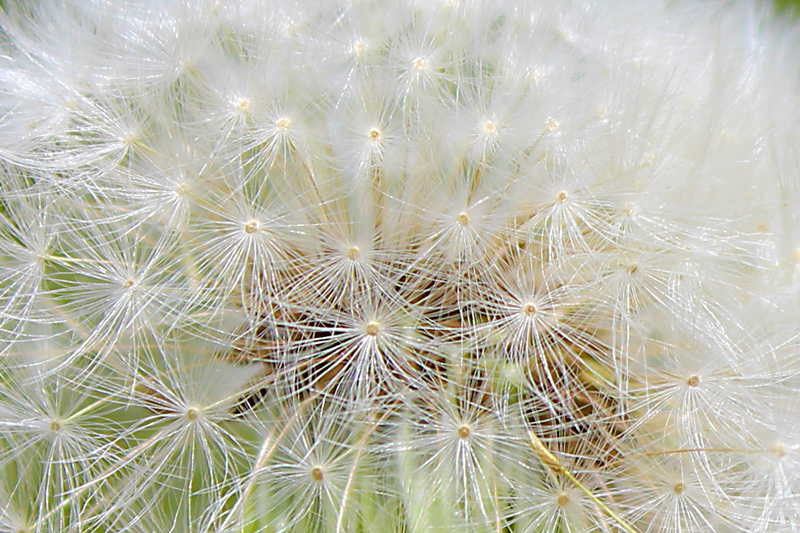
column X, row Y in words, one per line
column 474, row 265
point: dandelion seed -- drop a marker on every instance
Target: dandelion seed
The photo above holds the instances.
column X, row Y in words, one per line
column 316, row 474
column 372, row 328
column 352, row 253
column 251, row 226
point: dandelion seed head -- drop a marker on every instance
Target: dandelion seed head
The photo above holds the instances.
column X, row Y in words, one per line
column 251, row 226
column 629, row 209
column 529, row 308
column 359, row 48
column 372, row 328
column 352, row 253
column 130, row 138
column 317, row 474
column 780, row 449
column 242, row 105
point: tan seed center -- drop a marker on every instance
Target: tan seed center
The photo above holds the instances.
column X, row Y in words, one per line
column 352, row 253
column 372, row 328
column 780, row 450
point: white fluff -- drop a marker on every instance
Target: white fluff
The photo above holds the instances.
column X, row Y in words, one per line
column 271, row 265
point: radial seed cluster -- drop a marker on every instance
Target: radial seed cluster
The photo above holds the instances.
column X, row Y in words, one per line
column 419, row 265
